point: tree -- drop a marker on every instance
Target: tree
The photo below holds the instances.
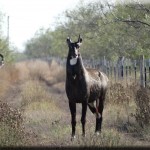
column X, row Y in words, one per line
column 5, row 49
column 39, row 45
column 108, row 29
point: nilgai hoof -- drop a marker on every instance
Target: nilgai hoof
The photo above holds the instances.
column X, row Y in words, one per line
column 97, row 133
column 73, row 138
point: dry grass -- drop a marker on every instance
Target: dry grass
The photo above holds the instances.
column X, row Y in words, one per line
column 40, row 70
column 9, row 73
column 33, row 91
column 43, row 119
column 132, row 110
column 8, row 76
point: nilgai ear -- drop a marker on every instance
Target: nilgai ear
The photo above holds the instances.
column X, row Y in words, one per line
column 68, row 40
column 79, row 39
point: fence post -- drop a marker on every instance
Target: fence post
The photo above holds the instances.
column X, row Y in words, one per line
column 120, row 64
column 108, row 69
column 142, row 80
column 149, row 69
column 115, row 72
column 104, row 65
column 145, row 77
column 135, row 69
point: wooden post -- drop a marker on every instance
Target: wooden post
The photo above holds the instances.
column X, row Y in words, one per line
column 115, row 72
column 111, row 69
column 135, row 69
column 149, row 68
column 142, row 80
column 145, row 75
column 120, row 64
column 130, row 71
column 105, row 65
column 108, row 69
column 126, row 73
column 8, row 30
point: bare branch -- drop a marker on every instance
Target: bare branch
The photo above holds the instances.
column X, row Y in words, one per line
column 133, row 21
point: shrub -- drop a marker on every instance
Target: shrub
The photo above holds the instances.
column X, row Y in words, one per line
column 11, row 129
column 32, row 91
column 118, row 94
column 10, row 116
column 142, row 101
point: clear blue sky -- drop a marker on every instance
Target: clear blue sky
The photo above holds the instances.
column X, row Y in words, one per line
column 27, row 16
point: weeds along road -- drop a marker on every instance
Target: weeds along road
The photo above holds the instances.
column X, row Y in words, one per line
column 36, row 90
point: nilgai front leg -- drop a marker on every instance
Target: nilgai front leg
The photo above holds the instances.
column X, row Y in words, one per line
column 72, row 106
column 83, row 117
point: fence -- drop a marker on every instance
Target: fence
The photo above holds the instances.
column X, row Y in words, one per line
column 124, row 69
column 127, row 70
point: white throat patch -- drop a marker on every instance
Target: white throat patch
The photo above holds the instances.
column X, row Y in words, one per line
column 73, row 61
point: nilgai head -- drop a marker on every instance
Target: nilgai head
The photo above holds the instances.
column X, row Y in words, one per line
column 74, row 50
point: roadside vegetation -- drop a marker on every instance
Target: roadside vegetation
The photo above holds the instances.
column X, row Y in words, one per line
column 34, row 110
column 33, row 105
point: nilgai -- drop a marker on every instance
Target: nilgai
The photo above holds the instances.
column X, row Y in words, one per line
column 85, row 86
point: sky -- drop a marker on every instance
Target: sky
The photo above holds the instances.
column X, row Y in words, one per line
column 28, row 16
